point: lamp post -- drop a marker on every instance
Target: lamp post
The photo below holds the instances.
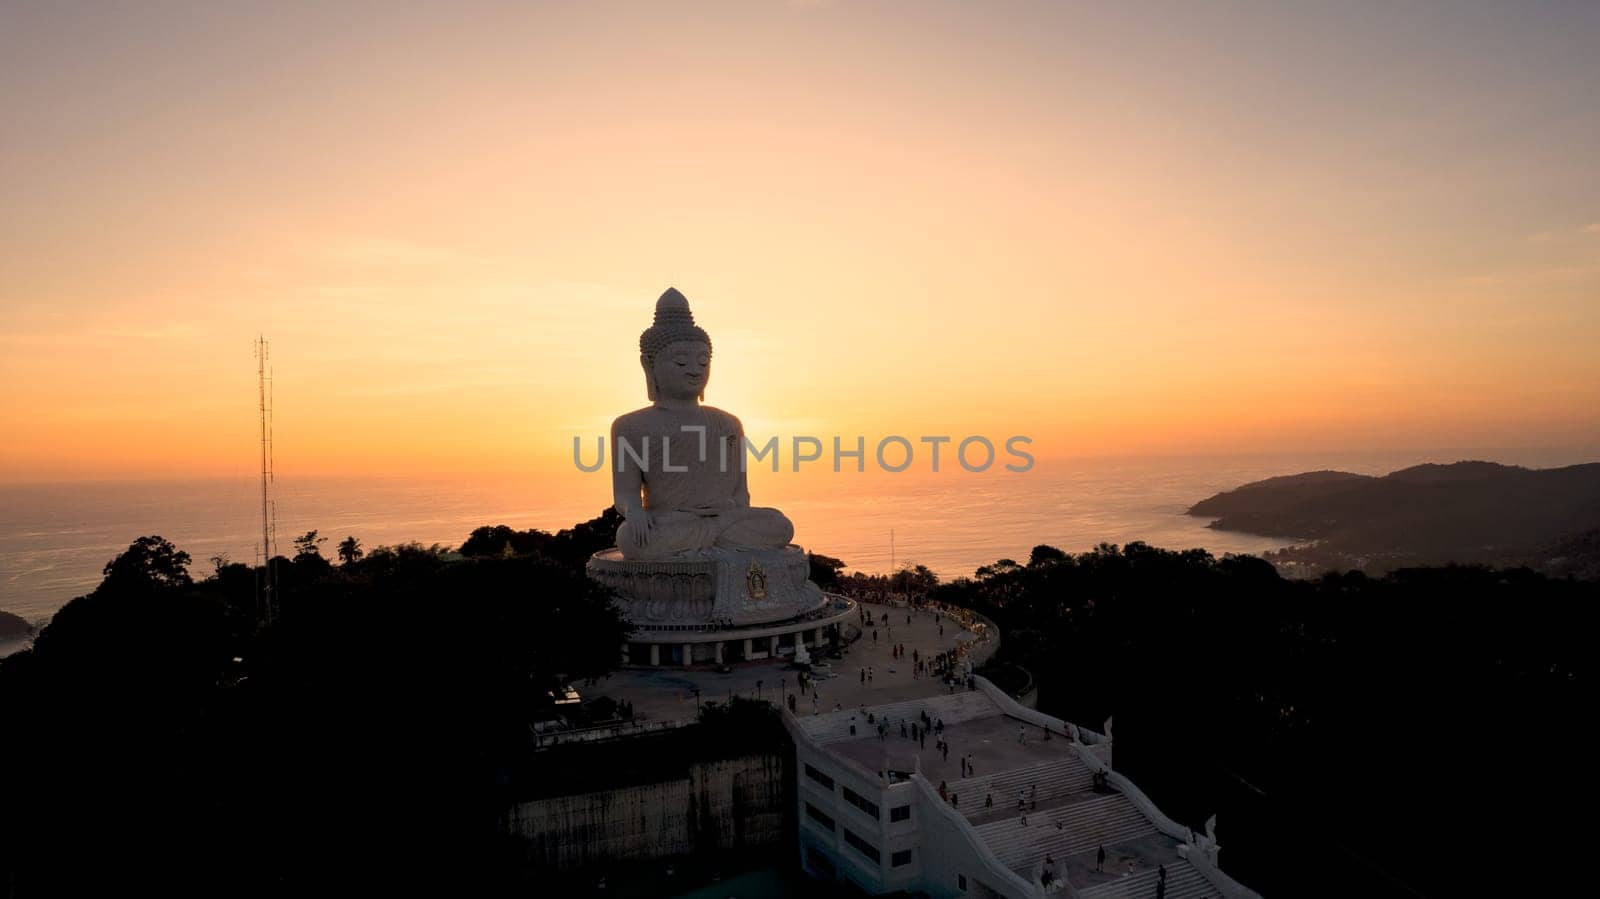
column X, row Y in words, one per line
column 758, row 689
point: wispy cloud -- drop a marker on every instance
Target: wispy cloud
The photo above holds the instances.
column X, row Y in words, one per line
column 383, row 251
column 175, row 331
column 1552, row 274
column 1566, row 234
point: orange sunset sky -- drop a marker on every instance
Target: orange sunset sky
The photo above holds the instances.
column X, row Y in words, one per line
column 1116, row 228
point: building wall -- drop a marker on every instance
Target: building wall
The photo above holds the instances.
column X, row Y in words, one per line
column 845, row 861
column 951, row 854
column 941, row 852
column 722, row 805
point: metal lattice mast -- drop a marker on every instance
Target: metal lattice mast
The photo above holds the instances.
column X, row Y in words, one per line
column 269, row 597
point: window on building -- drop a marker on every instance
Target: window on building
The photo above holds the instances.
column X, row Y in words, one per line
column 900, row 813
column 818, row 816
column 860, row 802
column 861, row 846
column 903, row 857
column 819, row 777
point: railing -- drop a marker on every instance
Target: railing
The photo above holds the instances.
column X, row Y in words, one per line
column 1017, row 710
column 605, row 732
column 1136, row 796
column 833, row 607
column 988, row 643
column 991, row 862
column 1227, row 886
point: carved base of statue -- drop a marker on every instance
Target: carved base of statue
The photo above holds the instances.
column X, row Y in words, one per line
column 711, row 588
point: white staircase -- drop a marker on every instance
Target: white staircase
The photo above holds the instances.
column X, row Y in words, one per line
column 831, row 727
column 1085, row 826
column 1184, row 881
column 1049, row 781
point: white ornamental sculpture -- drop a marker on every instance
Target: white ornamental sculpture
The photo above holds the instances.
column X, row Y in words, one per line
column 691, row 549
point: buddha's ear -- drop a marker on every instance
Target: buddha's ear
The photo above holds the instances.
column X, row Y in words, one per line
column 649, row 377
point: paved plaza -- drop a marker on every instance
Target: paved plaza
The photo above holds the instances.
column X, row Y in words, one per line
column 668, row 693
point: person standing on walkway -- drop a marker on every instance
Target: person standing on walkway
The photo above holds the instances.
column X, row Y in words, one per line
column 1100, row 860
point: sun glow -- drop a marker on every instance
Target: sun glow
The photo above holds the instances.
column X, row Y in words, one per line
column 892, row 219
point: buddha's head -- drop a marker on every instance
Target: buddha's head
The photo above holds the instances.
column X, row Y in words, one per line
column 674, row 352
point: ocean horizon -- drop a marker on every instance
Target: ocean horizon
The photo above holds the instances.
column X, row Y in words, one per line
column 55, row 538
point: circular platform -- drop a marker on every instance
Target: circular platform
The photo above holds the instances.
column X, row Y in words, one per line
column 721, row 588
column 719, row 605
column 690, row 644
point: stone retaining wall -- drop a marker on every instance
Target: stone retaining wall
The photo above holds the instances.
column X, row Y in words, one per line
column 720, row 805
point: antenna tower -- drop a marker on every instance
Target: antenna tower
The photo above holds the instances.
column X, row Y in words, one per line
column 269, row 591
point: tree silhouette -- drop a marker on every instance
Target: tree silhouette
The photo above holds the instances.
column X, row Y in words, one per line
column 350, row 551
column 149, row 563
column 1182, row 647
column 306, row 545
column 824, row 570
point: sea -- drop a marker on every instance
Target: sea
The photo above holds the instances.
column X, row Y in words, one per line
column 56, row 538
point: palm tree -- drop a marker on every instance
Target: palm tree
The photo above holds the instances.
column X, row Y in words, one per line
column 350, row 550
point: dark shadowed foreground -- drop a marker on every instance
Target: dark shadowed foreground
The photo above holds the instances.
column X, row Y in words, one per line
column 1356, row 736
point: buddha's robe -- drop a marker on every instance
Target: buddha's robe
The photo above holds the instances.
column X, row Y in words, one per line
column 691, row 482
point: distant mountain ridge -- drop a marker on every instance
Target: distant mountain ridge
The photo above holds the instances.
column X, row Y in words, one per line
column 12, row 626
column 1468, row 512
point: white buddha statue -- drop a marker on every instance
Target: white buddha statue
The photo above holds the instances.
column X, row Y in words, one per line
column 678, row 476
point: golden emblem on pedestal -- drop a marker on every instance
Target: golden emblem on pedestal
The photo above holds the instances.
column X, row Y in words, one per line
column 756, row 582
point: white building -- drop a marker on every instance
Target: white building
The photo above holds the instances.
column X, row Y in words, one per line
column 871, row 811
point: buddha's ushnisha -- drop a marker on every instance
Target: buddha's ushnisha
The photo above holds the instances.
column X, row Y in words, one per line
column 678, row 476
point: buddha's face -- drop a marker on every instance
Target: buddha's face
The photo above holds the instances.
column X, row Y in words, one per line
column 681, row 369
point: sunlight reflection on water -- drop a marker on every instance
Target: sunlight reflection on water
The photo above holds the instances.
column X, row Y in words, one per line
column 55, row 538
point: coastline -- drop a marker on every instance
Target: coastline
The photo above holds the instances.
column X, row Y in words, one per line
column 13, row 645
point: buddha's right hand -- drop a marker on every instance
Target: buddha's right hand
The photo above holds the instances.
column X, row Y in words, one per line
column 643, row 523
